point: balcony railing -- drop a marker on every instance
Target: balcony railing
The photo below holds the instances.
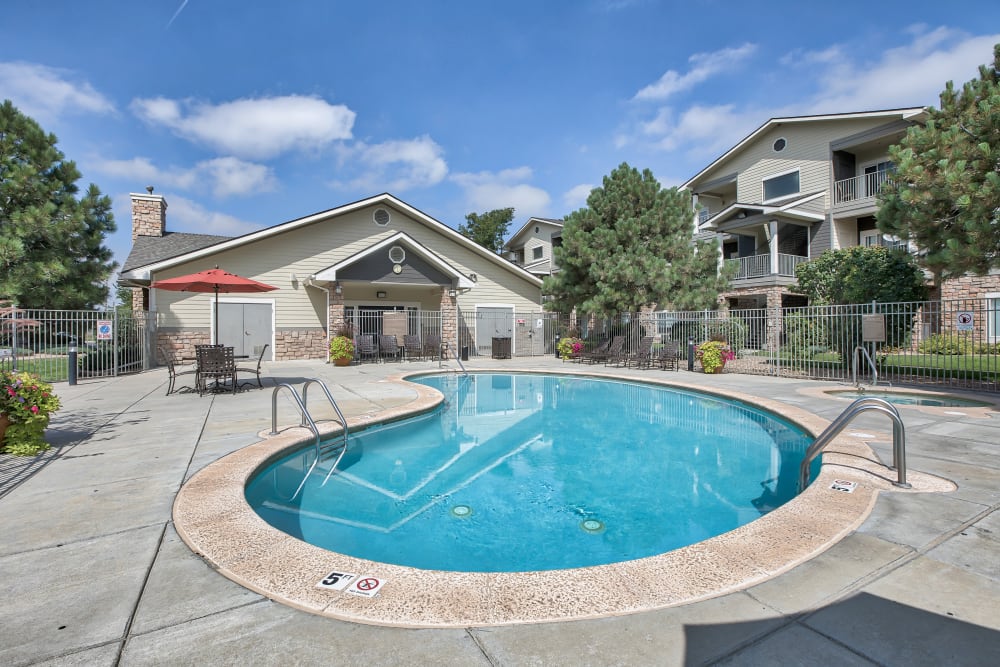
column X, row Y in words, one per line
column 758, row 266
column 858, row 188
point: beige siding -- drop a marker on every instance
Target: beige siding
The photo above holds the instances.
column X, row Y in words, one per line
column 312, row 248
column 807, row 149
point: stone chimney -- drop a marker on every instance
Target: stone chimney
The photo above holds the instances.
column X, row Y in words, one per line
column 149, row 214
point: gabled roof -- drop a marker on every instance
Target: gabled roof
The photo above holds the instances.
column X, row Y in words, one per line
column 528, row 224
column 142, row 272
column 909, row 113
column 787, row 209
column 402, row 239
column 151, row 249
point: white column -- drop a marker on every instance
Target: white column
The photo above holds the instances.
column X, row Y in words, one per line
column 772, row 228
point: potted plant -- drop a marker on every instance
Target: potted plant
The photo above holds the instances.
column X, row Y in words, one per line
column 342, row 346
column 25, row 407
column 713, row 355
column 569, row 347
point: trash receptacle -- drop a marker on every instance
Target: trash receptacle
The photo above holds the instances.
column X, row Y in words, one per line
column 465, row 353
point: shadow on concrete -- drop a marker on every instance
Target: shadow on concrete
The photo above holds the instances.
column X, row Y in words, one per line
column 874, row 628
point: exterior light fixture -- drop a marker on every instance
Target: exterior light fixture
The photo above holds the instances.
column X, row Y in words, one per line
column 453, row 293
column 380, row 294
column 338, row 289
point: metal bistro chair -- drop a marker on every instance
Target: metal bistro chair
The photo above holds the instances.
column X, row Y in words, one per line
column 254, row 370
column 388, row 347
column 364, row 346
column 174, row 371
column 218, row 364
column 412, row 349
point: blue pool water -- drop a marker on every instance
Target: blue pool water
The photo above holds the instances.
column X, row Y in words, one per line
column 902, row 398
column 521, row 472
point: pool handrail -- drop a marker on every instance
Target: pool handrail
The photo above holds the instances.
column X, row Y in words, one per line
column 446, row 346
column 307, row 421
column 868, row 403
column 871, row 364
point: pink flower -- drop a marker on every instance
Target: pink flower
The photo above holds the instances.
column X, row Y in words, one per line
column 34, row 408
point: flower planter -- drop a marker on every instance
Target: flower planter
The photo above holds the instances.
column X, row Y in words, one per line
column 4, row 423
column 345, row 361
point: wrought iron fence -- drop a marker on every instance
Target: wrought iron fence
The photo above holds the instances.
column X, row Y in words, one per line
column 394, row 333
column 107, row 343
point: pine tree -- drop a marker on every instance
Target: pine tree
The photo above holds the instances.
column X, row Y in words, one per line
column 51, row 244
column 488, row 229
column 631, row 247
column 945, row 193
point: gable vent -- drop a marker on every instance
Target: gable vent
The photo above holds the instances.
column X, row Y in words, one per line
column 381, row 217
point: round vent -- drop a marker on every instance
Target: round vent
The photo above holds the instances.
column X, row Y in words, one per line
column 779, row 144
column 396, row 254
column 381, row 217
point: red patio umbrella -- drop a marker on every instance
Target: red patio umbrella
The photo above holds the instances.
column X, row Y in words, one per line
column 213, row 280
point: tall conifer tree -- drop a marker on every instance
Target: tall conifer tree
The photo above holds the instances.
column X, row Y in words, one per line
column 632, row 246
column 945, row 193
column 51, row 243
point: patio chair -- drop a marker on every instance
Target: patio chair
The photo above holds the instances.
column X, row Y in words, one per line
column 218, row 364
column 599, row 353
column 432, row 346
column 174, row 370
column 255, row 370
column 668, row 355
column 412, row 348
column 389, row 347
column 364, row 347
column 616, row 351
column 643, row 355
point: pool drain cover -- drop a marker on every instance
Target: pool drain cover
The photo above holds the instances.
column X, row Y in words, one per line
column 592, row 526
column 461, row 511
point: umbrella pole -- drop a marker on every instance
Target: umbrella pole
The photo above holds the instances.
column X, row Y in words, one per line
column 216, row 329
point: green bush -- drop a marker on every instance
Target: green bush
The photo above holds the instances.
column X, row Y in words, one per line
column 947, row 343
column 805, row 336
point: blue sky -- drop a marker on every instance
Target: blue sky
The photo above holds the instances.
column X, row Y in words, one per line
column 247, row 114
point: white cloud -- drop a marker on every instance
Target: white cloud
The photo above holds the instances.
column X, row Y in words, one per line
column 704, row 65
column 910, row 75
column 185, row 215
column 45, row 93
column 252, row 128
column 224, row 176
column 576, row 197
column 394, row 166
column 486, row 191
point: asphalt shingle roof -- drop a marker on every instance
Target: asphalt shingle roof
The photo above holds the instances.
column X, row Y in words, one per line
column 151, row 249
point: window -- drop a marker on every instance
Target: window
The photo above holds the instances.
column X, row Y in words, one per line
column 537, row 251
column 993, row 317
column 781, row 185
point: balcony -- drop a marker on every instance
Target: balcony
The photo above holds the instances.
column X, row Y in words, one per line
column 859, row 189
column 759, row 266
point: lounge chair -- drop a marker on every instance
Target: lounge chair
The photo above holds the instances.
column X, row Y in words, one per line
column 364, row 347
column 643, row 355
column 389, row 347
column 174, row 370
column 412, row 348
column 598, row 353
column 668, row 355
column 616, row 351
column 252, row 369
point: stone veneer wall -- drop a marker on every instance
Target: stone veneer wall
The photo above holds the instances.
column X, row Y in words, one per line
column 149, row 215
column 300, row 344
column 970, row 287
column 449, row 320
column 180, row 344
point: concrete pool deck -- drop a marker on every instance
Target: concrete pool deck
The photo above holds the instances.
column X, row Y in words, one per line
column 94, row 572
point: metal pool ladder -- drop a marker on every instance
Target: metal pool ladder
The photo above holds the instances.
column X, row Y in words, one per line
column 869, row 403
column 445, row 347
column 871, row 365
column 322, row 451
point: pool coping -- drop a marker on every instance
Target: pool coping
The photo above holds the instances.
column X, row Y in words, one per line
column 840, row 391
column 213, row 518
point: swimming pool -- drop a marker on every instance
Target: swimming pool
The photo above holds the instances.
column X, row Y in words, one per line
column 523, row 472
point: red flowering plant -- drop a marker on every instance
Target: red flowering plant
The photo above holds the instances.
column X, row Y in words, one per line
column 27, row 403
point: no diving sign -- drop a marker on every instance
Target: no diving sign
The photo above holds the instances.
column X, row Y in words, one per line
column 964, row 320
column 366, row 586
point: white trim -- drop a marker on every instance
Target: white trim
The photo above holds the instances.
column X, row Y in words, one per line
column 330, row 273
column 992, row 316
column 145, row 272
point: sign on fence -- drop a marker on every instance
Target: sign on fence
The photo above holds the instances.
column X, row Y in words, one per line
column 873, row 328
column 103, row 329
column 965, row 320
